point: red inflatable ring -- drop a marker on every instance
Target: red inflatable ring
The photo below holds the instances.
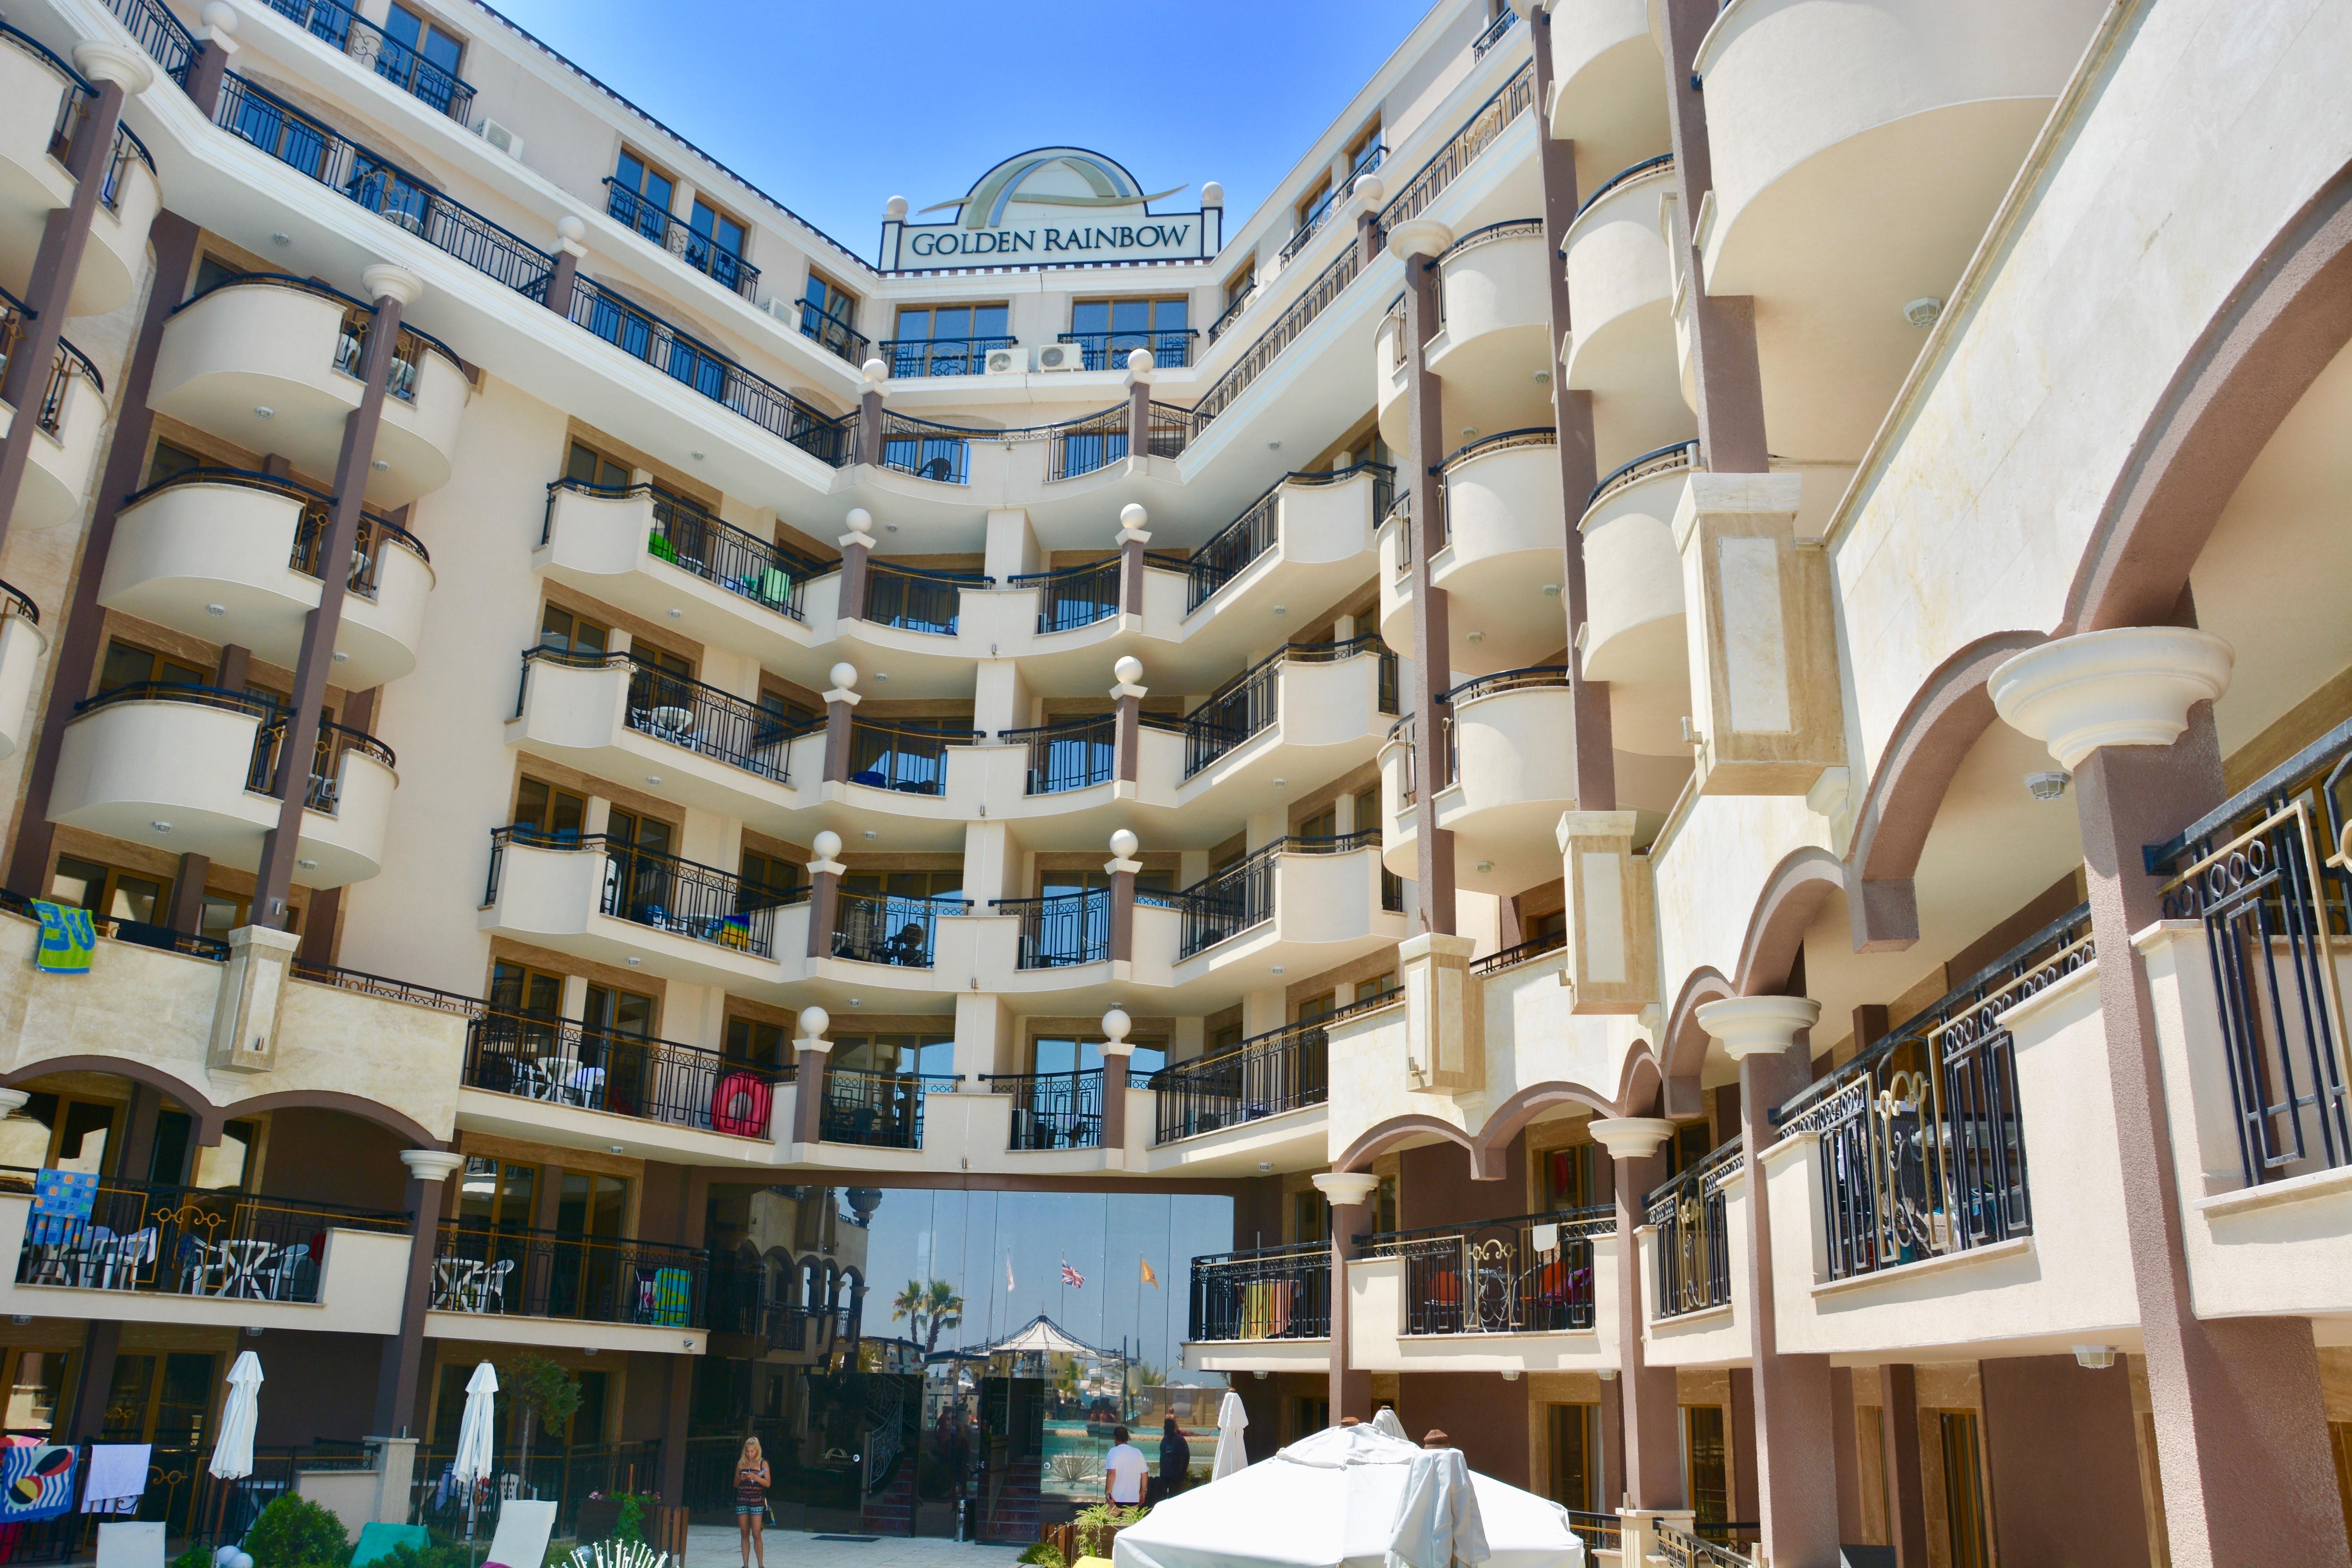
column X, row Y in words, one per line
column 739, row 1105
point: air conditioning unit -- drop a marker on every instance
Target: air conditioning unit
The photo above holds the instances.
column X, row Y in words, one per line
column 1061, row 356
column 499, row 137
column 785, row 311
column 1007, row 361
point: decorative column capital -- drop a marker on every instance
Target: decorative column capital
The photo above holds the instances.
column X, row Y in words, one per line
column 1346, row 1189
column 103, row 59
column 12, row 1100
column 385, row 281
column 1419, row 237
column 1631, row 1137
column 2131, row 686
column 1758, row 1026
column 432, row 1164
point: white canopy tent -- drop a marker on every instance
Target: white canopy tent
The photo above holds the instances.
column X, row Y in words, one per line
column 1352, row 1497
column 1043, row 1336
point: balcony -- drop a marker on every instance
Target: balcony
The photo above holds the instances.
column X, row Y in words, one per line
column 669, row 562
column 878, row 1110
column 231, row 556
column 184, row 768
column 1495, row 331
column 1061, row 931
column 1505, row 1295
column 902, row 932
column 1500, row 552
column 699, row 251
column 1620, row 281
column 70, row 418
column 21, row 646
column 1267, row 1075
column 611, row 716
column 1322, row 521
column 342, row 28
column 913, row 599
column 1634, row 636
column 45, row 101
column 555, row 1062
column 193, row 1256
column 1693, row 1257
column 600, row 898
column 914, row 358
column 1108, row 351
column 1075, row 755
column 1265, row 1309
column 1611, row 98
column 272, row 363
column 1052, row 1110
column 1902, row 123
column 1506, row 771
column 488, row 1284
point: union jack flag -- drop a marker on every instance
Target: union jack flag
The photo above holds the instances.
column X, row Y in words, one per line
column 1071, row 1276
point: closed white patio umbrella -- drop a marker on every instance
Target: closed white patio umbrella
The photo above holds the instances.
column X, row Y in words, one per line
column 1233, row 1456
column 477, row 1451
column 232, row 1458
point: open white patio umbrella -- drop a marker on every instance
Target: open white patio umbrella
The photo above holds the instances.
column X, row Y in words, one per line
column 1352, row 1497
column 1233, row 1456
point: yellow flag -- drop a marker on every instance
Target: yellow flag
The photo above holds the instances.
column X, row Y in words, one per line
column 1148, row 1276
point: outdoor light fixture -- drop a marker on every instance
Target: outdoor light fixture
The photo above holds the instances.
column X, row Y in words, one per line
column 1924, row 313
column 308, row 865
column 617, row 1148
column 633, row 961
column 160, row 826
column 217, row 609
column 381, row 466
column 282, row 239
column 2094, row 1358
column 696, row 454
column 343, row 658
column 676, row 614
column 2048, row 785
column 262, row 411
column 653, row 778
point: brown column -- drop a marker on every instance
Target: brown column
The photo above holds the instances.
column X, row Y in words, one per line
column 1648, row 1404
column 840, row 712
column 1723, row 329
column 812, row 1051
column 2241, row 1431
column 1114, row 1093
column 93, row 1380
column 84, row 636
column 235, row 660
column 137, row 1156
column 393, row 288
column 825, row 888
column 205, row 73
column 2063, row 1462
column 1849, row 1452
column 1579, row 467
column 49, row 296
column 403, row 1354
column 1127, row 730
column 869, row 419
column 321, row 917
column 1367, row 224
column 1138, row 404
column 188, row 892
column 1350, row 1194
column 1906, row 1492
column 1611, row 1483
column 566, row 269
column 674, row 1429
column 1122, row 916
column 1741, row 1418
column 1432, row 633
column 856, row 545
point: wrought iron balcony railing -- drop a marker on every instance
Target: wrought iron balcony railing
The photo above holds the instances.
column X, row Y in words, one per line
column 1052, row 1109
column 1076, row 753
column 1062, row 931
column 1531, row 1274
column 562, row 1061
column 581, row 1278
column 1265, row 1293
column 341, row 28
column 873, row 928
column 1694, row 1244
column 698, row 250
column 878, row 1110
column 664, row 892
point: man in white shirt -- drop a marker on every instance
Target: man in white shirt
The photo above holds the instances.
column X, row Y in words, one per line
column 1123, row 1470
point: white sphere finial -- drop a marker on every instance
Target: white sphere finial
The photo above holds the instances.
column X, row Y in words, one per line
column 1212, row 194
column 895, row 209
column 569, row 226
column 874, row 370
column 1124, row 844
column 844, row 676
column 1115, row 1024
column 1133, row 515
column 1139, row 362
column 813, row 1023
column 1129, row 670
column 1372, row 188
column 860, row 521
column 827, row 844
column 219, row 15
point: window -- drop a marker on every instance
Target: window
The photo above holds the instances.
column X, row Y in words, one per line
column 715, row 245
column 1063, row 1054
column 515, row 989
column 766, row 880
column 1241, row 284
column 1222, row 1040
column 1379, row 985
column 1311, row 1217
column 591, row 1203
column 426, row 61
column 618, row 1015
column 947, row 339
column 1707, row 1492
column 1309, row 1416
column 496, row 1194
column 1365, row 152
column 170, row 462
column 61, row 1132
column 1572, row 1178
column 1311, row 207
column 108, row 893
column 1110, row 330
column 221, row 1168
column 1547, row 928
column 828, row 314
column 126, row 665
column 1575, row 1454
column 661, row 659
column 213, row 273
column 36, row 1385
column 904, row 884
column 1384, row 1204
column 754, row 1042
column 1964, row 1510
column 895, row 1054
column 160, row 1399
column 784, row 711
column 650, row 834
column 1324, row 824
column 584, row 465
column 1315, row 1007
column 641, row 196
column 550, row 813
column 567, row 633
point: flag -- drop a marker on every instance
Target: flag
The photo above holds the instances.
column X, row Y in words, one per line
column 1148, row 1276
column 1008, row 1274
column 1071, row 1276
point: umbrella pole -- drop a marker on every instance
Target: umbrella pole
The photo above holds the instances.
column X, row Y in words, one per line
column 220, row 1512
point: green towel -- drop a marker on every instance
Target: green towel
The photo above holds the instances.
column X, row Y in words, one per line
column 673, row 1297
column 377, row 1540
column 68, row 938
column 775, row 588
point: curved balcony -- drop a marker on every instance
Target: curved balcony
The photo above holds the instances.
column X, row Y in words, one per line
column 1388, row 374
column 1500, row 561
column 673, row 564
column 22, row 646
column 233, row 557
column 613, row 717
column 1610, row 97
column 1861, row 147
column 1634, row 634
column 1506, row 772
column 70, row 416
column 42, row 103
column 1494, row 290
column 272, row 363
column 183, row 768
column 1620, row 296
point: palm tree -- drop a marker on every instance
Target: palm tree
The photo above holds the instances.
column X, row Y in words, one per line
column 909, row 1304
column 946, row 1310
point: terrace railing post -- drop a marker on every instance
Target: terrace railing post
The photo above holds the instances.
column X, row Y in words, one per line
column 1370, row 189
column 1116, row 1050
column 1652, row 1461
column 840, row 712
column 568, row 252
column 1132, row 538
column 1769, row 1037
column 1127, row 737
column 399, row 1360
column 814, row 1053
column 1121, row 868
column 1138, row 409
column 856, row 546
column 824, row 885
column 870, row 412
column 121, row 72
column 206, row 72
column 2241, row 1442
column 1348, row 1193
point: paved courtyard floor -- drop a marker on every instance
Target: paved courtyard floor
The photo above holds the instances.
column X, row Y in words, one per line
column 715, row 1546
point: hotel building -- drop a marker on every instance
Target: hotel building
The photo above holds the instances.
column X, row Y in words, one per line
column 1677, row 714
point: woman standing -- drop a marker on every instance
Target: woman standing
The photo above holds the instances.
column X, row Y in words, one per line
column 752, row 1482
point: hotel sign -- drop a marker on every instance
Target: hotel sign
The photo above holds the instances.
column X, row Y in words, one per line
column 1058, row 206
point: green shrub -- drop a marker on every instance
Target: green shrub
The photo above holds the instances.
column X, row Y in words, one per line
column 1046, row 1554
column 194, row 1557
column 295, row 1532
column 438, row 1552
column 1087, row 1539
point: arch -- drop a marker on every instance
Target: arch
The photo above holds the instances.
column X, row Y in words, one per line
column 1685, row 1042
column 1383, row 1136
column 2286, row 318
column 1643, row 1083
column 209, row 1117
column 335, row 1100
column 1793, row 896
column 1493, row 1139
column 1951, row 709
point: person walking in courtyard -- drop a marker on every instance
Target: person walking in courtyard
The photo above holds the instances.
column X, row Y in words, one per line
column 1123, row 1470
column 752, row 1482
column 1175, row 1459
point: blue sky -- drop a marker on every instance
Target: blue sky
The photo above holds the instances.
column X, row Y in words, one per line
column 834, row 108
column 1104, row 1236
